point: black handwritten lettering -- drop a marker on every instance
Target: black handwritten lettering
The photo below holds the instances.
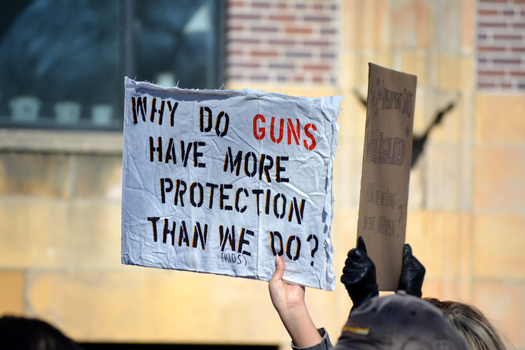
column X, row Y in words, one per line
column 380, row 196
column 384, row 149
column 233, row 258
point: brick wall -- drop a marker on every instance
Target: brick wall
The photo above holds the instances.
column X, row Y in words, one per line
column 501, row 45
column 277, row 41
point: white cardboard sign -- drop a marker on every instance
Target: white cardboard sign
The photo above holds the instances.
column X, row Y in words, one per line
column 221, row 181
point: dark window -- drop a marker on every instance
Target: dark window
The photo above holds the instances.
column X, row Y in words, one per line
column 62, row 63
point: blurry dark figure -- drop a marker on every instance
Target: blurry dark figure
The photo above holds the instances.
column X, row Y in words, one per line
column 21, row 333
column 418, row 141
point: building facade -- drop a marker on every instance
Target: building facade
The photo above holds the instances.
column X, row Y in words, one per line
column 60, row 185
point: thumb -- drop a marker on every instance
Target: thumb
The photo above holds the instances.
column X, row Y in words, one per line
column 361, row 244
column 407, row 251
column 279, row 269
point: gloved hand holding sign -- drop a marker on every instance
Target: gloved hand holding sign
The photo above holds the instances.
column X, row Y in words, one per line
column 359, row 275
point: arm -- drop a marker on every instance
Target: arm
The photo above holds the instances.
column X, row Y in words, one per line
column 288, row 300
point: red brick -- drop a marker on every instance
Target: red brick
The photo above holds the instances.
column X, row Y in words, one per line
column 492, row 24
column 234, row 52
column 507, row 37
column 317, row 18
column 491, row 73
column 281, row 66
column 250, row 16
column 234, row 77
column 488, row 12
column 266, row 53
column 265, row 29
column 244, row 41
column 244, row 64
column 298, row 30
column 237, row 28
column 317, row 67
column 517, row 74
column 261, row 4
column 491, row 48
column 284, row 42
column 281, row 18
column 298, row 54
column 486, row 85
column 506, row 61
column 328, row 31
column 317, row 43
column 328, row 55
column 259, row 77
column 232, row 3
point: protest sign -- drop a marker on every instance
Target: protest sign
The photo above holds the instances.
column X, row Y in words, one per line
column 222, row 181
column 386, row 170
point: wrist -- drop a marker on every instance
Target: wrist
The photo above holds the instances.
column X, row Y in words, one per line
column 300, row 326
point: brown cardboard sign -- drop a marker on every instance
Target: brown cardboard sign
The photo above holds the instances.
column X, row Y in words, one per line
column 386, row 170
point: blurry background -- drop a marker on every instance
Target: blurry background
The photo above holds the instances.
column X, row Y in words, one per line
column 62, row 65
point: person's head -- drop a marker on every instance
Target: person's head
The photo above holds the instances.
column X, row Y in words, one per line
column 396, row 322
column 471, row 324
column 22, row 333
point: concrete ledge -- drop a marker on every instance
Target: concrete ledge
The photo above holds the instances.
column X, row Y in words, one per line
column 53, row 141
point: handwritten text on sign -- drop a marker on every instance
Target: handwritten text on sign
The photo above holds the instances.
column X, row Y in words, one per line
column 222, row 181
column 386, row 170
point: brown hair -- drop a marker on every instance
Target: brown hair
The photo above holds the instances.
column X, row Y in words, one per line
column 471, row 324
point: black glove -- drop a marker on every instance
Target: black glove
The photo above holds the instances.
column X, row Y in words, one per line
column 412, row 273
column 359, row 275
